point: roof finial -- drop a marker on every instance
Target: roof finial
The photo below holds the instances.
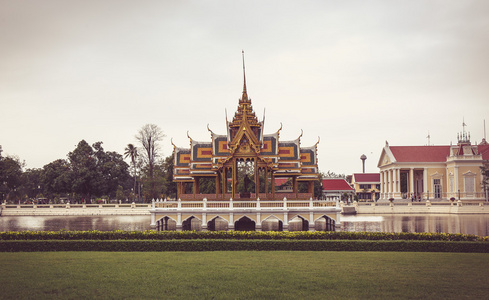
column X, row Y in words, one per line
column 245, row 95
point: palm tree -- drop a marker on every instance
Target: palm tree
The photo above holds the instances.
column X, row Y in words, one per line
column 132, row 151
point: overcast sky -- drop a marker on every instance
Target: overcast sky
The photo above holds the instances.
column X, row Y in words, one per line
column 354, row 73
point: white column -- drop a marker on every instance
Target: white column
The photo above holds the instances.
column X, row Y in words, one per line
column 382, row 185
column 389, row 183
column 425, row 181
column 455, row 178
column 411, row 181
column 231, row 222
column 204, row 222
column 285, row 225
column 395, row 182
column 153, row 220
column 179, row 221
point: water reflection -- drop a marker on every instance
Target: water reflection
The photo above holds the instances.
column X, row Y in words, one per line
column 54, row 223
column 448, row 223
column 469, row 224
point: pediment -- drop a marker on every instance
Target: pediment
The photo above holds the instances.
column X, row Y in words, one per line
column 469, row 173
column 386, row 157
column 436, row 175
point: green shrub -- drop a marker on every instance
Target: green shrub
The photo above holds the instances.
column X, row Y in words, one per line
column 241, row 245
column 234, row 235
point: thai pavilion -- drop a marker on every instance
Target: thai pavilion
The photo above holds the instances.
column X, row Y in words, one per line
column 241, row 166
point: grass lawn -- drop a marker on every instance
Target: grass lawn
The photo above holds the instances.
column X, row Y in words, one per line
column 243, row 275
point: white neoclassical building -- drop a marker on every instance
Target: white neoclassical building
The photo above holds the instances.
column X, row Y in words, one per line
column 433, row 172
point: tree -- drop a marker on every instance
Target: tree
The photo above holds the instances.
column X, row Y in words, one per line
column 112, row 170
column 154, row 187
column 485, row 179
column 207, row 185
column 331, row 174
column 170, row 186
column 96, row 172
column 149, row 136
column 132, row 152
column 31, row 183
column 84, row 170
column 10, row 177
column 56, row 177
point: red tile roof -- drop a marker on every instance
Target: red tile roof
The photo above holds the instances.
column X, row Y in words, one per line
column 366, row 177
column 334, row 184
column 280, row 181
column 420, row 153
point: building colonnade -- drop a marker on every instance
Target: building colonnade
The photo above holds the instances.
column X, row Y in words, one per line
column 404, row 183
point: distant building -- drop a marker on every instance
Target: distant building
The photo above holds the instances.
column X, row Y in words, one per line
column 335, row 188
column 367, row 186
column 433, row 172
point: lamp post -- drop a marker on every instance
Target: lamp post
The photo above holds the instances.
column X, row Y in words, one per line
column 458, row 194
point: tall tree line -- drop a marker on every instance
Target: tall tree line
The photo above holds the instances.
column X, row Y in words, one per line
column 91, row 173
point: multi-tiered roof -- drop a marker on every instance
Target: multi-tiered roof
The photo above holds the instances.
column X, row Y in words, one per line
column 244, row 139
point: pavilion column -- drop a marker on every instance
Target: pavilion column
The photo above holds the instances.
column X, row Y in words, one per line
column 273, row 186
column 411, row 181
column 218, row 185
column 223, row 182
column 311, row 188
column 234, row 179
column 179, row 188
column 197, row 186
column 266, row 183
column 294, row 182
column 257, row 181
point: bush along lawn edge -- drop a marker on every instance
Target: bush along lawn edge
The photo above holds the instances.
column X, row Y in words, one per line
column 241, row 245
column 235, row 235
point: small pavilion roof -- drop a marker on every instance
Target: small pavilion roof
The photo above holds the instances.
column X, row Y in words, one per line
column 336, row 184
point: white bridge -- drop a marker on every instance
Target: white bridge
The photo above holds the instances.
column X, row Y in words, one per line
column 281, row 215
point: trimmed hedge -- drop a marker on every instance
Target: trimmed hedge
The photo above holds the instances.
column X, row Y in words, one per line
column 235, row 235
column 241, row 245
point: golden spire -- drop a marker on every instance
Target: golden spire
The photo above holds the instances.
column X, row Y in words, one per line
column 245, row 94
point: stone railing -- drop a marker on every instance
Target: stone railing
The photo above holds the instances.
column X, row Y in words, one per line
column 456, row 207
column 267, row 196
column 233, row 204
column 75, row 209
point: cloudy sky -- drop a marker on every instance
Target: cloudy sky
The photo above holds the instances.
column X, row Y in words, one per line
column 354, row 73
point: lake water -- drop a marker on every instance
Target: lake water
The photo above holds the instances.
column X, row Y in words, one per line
column 449, row 223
